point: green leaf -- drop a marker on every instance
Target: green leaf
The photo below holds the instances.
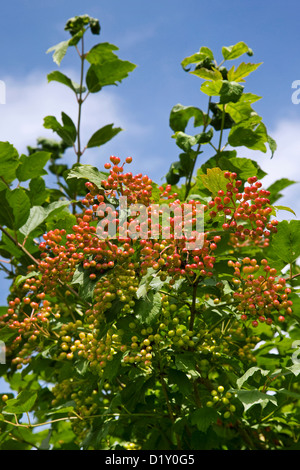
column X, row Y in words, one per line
column 20, row 205
column 22, row 404
column 242, row 109
column 39, row 214
column 180, row 379
column 45, row 444
column 235, row 51
column 147, row 309
column 249, row 373
column 230, row 92
column 67, row 131
column 273, row 145
column 87, row 172
column 60, row 77
column 294, row 369
column 32, row 166
column 7, row 333
column 212, row 88
column 204, row 137
column 207, row 52
column 59, row 51
column 145, row 284
column 6, row 215
column 108, row 73
column 248, row 135
column 244, row 167
column 37, row 192
column 112, row 371
column 176, row 171
column 207, row 74
column 184, row 141
column 186, row 362
column 214, row 180
column 250, row 398
column 9, row 162
column 186, row 163
column 284, row 208
column 101, row 53
column 103, row 135
column 242, row 71
column 86, row 286
column 180, row 116
column 204, row 57
column 20, row 279
column 196, row 58
column 204, row 417
column 278, row 186
column 285, row 244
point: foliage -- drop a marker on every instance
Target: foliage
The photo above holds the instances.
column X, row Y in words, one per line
column 139, row 342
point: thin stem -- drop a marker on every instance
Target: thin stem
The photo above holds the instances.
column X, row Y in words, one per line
column 4, row 268
column 189, row 178
column 222, row 128
column 165, row 393
column 193, row 306
column 67, row 418
column 80, row 101
column 36, row 262
column 295, row 275
column 3, row 180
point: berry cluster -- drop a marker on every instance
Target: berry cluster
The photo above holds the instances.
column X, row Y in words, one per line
column 114, row 268
column 246, row 210
column 218, row 343
column 221, row 400
column 261, row 294
column 136, row 188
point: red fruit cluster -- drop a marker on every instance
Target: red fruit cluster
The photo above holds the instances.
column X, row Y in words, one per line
column 136, row 188
column 114, row 267
column 262, row 295
column 28, row 319
column 246, row 210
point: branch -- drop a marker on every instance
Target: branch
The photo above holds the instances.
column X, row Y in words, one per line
column 36, row 262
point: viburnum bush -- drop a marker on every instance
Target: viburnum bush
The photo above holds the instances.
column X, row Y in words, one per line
column 119, row 333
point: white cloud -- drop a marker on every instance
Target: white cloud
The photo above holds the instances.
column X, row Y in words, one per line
column 29, row 100
column 284, row 164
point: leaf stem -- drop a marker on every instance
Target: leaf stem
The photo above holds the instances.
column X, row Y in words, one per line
column 189, row 178
column 80, row 101
column 222, row 128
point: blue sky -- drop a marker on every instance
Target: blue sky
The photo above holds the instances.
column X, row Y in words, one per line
column 155, row 36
